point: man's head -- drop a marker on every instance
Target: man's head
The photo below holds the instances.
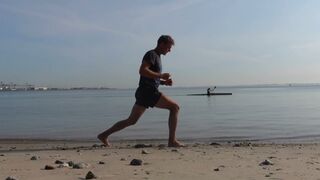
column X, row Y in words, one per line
column 165, row 42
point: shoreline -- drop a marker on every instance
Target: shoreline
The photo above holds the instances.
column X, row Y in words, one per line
column 23, row 145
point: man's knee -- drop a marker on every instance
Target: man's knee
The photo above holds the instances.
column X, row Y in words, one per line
column 132, row 121
column 174, row 107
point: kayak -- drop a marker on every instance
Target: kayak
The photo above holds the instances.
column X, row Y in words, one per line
column 211, row 94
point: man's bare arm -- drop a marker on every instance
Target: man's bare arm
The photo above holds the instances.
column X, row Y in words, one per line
column 147, row 72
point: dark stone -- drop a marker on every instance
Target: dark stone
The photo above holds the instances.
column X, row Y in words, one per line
column 215, row 144
column 136, row 162
column 90, row 175
column 266, row 163
column 34, row 158
column 216, row 169
column 101, row 162
column 58, row 162
column 11, row 178
column 142, row 145
column 1, row 154
column 48, row 167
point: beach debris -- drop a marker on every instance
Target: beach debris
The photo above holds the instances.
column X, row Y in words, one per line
column 145, row 152
column 11, row 178
column 269, row 175
column 98, row 146
column 80, row 165
column 196, row 145
column 90, row 175
column 272, row 157
column 266, row 163
column 58, row 162
column 95, row 146
column 34, row 158
column 174, row 150
column 70, row 163
column 136, row 162
column 48, row 167
column 102, row 162
column 215, row 144
column 243, row 144
column 63, row 165
column 216, row 169
column 142, row 145
column 162, row 146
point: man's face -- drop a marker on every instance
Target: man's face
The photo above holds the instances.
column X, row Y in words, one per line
column 165, row 48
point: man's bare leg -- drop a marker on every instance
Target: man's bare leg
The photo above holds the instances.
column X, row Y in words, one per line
column 166, row 103
column 136, row 113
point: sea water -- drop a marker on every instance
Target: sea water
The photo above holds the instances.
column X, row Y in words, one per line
column 252, row 113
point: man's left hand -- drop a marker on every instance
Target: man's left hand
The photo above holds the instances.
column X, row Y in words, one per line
column 168, row 82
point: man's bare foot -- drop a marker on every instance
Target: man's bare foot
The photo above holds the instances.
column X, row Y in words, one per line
column 104, row 140
column 175, row 143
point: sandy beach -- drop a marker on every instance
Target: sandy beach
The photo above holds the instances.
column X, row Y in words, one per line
column 26, row 159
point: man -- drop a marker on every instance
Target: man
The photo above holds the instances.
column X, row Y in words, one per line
column 147, row 94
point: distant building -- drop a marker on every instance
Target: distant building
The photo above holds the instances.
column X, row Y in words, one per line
column 41, row 88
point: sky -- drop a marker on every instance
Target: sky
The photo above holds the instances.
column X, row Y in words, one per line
column 94, row 43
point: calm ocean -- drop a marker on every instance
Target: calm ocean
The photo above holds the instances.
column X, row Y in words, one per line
column 253, row 113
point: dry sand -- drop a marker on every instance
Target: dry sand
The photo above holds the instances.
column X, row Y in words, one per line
column 196, row 161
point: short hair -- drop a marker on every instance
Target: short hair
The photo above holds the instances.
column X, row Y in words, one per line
column 165, row 39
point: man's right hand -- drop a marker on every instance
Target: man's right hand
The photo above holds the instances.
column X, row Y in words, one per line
column 165, row 76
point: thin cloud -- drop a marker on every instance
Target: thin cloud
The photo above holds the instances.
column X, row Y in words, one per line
column 65, row 23
column 166, row 8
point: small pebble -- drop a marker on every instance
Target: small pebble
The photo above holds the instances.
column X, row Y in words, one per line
column 216, row 169
column 71, row 163
column 80, row 166
column 58, row 162
column 266, row 163
column 145, row 152
column 34, row 158
column 215, row 144
column 48, row 167
column 101, row 162
column 90, row 175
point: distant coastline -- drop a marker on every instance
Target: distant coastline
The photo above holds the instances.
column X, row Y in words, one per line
column 30, row 87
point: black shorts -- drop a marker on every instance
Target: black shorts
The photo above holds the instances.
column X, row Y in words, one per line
column 147, row 96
